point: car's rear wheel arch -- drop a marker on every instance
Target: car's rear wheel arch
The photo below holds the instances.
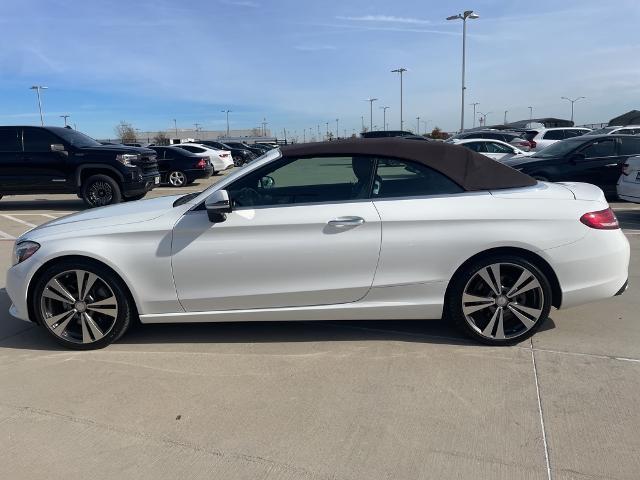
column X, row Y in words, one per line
column 528, row 255
column 45, row 266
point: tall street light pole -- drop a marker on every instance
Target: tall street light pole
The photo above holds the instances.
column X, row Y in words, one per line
column 400, row 71
column 572, row 102
column 505, row 116
column 175, row 127
column 530, row 115
column 467, row 14
column 371, row 100
column 418, row 131
column 362, row 119
column 474, row 104
column 65, row 119
column 337, row 128
column 483, row 116
column 228, row 112
column 38, row 88
column 384, row 117
column 327, row 130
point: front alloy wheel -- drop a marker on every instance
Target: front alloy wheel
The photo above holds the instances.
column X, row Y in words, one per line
column 83, row 307
column 502, row 301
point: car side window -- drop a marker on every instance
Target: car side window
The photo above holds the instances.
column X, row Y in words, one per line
column 291, row 181
column 401, row 178
column 630, row 146
column 554, row 135
column 601, row 148
column 36, row 140
column 476, row 146
column 493, row 147
column 9, row 140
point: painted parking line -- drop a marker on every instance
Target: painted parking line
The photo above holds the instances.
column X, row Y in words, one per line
column 15, row 219
column 6, row 236
column 631, row 232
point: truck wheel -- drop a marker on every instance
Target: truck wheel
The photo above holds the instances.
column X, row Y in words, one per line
column 100, row 190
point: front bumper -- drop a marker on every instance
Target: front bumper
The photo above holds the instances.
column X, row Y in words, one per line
column 141, row 184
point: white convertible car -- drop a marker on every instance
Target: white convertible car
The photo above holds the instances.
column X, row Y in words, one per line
column 385, row 228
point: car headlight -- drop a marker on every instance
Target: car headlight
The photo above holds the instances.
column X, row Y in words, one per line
column 127, row 158
column 24, row 250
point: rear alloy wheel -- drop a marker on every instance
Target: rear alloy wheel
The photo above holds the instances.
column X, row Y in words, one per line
column 176, row 178
column 101, row 190
column 501, row 300
column 81, row 305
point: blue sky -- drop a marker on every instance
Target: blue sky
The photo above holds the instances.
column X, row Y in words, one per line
column 301, row 63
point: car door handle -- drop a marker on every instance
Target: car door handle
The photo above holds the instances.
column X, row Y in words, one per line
column 346, row 221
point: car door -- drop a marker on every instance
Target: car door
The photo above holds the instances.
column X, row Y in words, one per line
column 600, row 164
column 303, row 231
column 12, row 177
column 47, row 170
column 629, row 146
column 549, row 138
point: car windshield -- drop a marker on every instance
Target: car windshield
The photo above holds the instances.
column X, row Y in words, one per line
column 559, row 149
column 76, row 138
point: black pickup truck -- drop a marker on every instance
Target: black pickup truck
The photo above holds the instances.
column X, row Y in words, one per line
column 63, row 160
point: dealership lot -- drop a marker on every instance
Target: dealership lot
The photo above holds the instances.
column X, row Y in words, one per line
column 321, row 400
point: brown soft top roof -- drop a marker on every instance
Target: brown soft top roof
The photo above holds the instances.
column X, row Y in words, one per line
column 467, row 168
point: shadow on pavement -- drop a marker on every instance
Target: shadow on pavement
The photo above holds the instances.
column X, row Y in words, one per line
column 42, row 204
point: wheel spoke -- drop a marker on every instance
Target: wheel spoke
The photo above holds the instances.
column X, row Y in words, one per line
column 56, row 323
column 92, row 326
column 525, row 276
column 519, row 312
column 529, row 286
column 494, row 285
column 107, row 306
column 91, row 279
column 498, row 318
column 49, row 293
column 479, row 303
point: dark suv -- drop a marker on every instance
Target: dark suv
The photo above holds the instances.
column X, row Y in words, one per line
column 62, row 160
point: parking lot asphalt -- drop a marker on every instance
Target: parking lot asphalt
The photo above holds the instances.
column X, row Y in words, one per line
column 321, row 400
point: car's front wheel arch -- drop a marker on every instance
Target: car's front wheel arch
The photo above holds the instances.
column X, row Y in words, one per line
column 78, row 258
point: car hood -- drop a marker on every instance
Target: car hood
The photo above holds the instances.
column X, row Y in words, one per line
column 116, row 149
column 120, row 214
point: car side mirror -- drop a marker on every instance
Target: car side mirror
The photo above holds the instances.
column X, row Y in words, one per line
column 57, row 147
column 218, row 205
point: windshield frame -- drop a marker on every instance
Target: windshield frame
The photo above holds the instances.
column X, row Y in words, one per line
column 68, row 136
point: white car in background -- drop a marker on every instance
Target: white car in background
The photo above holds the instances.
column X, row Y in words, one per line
column 220, row 159
column 626, row 130
column 541, row 138
column 629, row 183
column 494, row 149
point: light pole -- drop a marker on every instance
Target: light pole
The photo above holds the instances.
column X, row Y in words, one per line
column 530, row 115
column 474, row 104
column 197, row 125
column 418, row 131
column 175, row 127
column 362, row 119
column 38, row 88
column 327, row 130
column 65, row 119
column 228, row 112
column 572, row 102
column 463, row 16
column 319, row 134
column 337, row 128
column 483, row 119
column 384, row 117
column 400, row 70
column 505, row 116
column 264, row 127
column 371, row 100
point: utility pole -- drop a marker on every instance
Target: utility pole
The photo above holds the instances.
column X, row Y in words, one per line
column 264, row 127
column 65, row 119
column 38, row 89
column 319, row 134
column 337, row 128
column 175, row 126
column 475, row 104
column 227, row 112
column 362, row 119
column 400, row 70
column 572, row 102
column 467, row 14
column 384, row 118
column 196, row 125
column 505, row 116
column 530, row 115
column 371, row 100
column 418, row 131
column 327, row 130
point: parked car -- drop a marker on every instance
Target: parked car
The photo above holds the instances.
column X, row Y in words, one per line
column 63, row 160
column 256, row 151
column 386, row 133
column 132, row 144
column 270, row 146
column 240, row 155
column 628, row 187
column 220, row 159
column 594, row 159
column 541, row 138
column 179, row 167
column 260, row 147
column 494, row 149
column 626, row 130
column 490, row 248
column 514, row 138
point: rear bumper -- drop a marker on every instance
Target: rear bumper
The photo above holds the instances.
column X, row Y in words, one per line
column 198, row 173
column 629, row 189
column 593, row 268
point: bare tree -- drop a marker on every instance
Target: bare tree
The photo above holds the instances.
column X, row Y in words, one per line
column 161, row 138
column 125, row 133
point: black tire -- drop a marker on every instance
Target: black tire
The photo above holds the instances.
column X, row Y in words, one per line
column 133, row 198
column 100, row 190
column 125, row 308
column 177, row 178
column 511, row 263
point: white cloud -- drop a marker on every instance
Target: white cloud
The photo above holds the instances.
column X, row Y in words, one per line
column 386, row 19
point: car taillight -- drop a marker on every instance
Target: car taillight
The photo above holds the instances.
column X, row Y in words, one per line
column 202, row 163
column 601, row 220
column 625, row 169
column 532, row 144
column 224, row 155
